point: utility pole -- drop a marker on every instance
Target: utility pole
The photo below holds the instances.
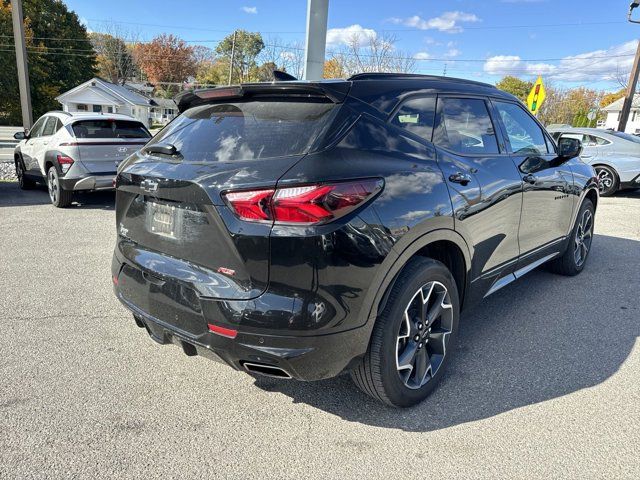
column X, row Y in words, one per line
column 233, row 55
column 316, row 42
column 633, row 79
column 21, row 61
column 631, row 91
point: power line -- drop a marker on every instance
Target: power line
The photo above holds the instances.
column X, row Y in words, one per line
column 414, row 29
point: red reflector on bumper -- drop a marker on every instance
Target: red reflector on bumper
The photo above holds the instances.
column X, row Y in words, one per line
column 225, row 332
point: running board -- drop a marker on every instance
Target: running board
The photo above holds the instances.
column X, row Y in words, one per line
column 507, row 279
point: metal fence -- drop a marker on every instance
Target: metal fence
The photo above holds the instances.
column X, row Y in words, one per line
column 7, row 143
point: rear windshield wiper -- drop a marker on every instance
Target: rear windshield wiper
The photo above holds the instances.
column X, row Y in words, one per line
column 162, row 149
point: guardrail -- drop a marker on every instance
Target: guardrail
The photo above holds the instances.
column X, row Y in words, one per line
column 7, row 143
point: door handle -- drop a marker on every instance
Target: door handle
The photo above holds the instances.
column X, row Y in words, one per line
column 532, row 179
column 461, row 178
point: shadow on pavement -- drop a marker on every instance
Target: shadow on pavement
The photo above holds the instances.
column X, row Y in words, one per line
column 538, row 339
column 12, row 196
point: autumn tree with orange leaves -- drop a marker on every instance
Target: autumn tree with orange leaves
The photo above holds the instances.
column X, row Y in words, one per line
column 166, row 61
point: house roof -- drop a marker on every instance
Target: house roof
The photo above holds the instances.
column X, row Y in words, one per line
column 112, row 89
column 617, row 105
column 164, row 102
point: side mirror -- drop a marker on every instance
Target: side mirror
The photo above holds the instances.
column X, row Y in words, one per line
column 569, row 148
column 20, row 135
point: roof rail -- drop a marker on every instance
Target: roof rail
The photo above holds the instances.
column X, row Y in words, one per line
column 59, row 111
column 412, row 76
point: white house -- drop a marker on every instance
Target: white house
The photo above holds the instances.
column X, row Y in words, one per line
column 98, row 95
column 614, row 111
column 163, row 111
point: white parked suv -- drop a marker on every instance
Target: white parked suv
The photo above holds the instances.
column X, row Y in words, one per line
column 76, row 151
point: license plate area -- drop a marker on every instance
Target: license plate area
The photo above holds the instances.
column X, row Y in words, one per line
column 164, row 219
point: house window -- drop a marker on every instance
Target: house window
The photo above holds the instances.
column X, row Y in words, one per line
column 97, row 108
column 619, row 115
column 109, row 109
column 168, row 111
column 82, row 107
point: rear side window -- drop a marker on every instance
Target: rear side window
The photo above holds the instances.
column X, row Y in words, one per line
column 109, row 129
column 465, row 126
column 417, row 115
column 49, row 127
column 250, row 130
column 525, row 136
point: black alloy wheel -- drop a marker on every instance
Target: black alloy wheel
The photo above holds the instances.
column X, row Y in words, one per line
column 412, row 338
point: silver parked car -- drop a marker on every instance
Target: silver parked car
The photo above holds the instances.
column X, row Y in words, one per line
column 614, row 155
column 75, row 151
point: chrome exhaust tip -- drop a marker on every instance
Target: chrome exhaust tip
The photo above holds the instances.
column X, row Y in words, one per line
column 266, row 370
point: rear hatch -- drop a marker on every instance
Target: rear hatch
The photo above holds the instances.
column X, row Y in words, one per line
column 170, row 211
column 103, row 143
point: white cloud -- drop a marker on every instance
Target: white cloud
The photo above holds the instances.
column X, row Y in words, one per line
column 598, row 65
column 338, row 36
column 452, row 52
column 448, row 22
column 422, row 56
column 251, row 10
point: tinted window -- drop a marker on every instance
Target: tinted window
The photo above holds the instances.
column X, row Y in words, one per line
column 524, row 133
column 50, row 127
column 36, row 130
column 626, row 136
column 601, row 141
column 465, row 126
column 109, row 129
column 246, row 130
column 417, row 115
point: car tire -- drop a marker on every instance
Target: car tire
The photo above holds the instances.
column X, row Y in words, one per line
column 574, row 258
column 410, row 344
column 59, row 196
column 608, row 179
column 23, row 182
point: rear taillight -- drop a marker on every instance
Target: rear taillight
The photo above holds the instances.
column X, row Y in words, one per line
column 305, row 204
column 65, row 162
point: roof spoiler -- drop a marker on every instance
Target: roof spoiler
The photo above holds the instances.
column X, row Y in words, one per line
column 335, row 91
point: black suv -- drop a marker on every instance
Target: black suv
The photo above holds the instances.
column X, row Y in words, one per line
column 306, row 229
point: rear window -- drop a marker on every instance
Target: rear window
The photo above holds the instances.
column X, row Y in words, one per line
column 109, row 129
column 247, row 130
column 626, row 136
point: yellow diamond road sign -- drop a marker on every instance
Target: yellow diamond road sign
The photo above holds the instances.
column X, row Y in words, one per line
column 536, row 97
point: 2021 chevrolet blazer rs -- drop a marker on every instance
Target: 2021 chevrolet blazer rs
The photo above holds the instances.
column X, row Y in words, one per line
column 306, row 229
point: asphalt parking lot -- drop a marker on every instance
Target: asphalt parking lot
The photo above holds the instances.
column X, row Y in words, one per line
column 545, row 380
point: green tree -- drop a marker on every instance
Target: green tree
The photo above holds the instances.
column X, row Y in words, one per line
column 516, row 87
column 59, row 53
column 248, row 46
column 114, row 58
column 213, row 73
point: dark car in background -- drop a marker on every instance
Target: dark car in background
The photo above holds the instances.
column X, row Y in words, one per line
column 308, row 229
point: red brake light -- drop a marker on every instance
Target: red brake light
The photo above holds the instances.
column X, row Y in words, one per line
column 64, row 160
column 253, row 205
column 307, row 204
column 225, row 332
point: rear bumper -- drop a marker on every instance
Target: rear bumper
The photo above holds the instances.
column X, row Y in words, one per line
column 305, row 358
column 89, row 182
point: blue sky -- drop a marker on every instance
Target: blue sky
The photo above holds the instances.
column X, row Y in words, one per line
column 475, row 39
